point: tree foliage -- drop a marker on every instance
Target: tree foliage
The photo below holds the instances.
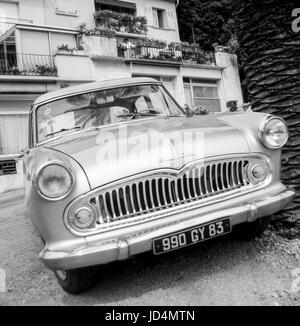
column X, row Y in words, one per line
column 205, row 22
column 270, row 58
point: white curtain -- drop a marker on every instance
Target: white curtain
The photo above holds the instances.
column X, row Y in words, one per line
column 13, row 133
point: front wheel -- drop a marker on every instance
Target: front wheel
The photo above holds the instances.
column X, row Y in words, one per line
column 76, row 281
column 248, row 231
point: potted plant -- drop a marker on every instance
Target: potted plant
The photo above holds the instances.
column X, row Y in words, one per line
column 126, row 23
column 83, row 30
column 127, row 49
column 141, row 24
column 46, row 70
column 107, row 19
column 105, row 32
column 66, row 49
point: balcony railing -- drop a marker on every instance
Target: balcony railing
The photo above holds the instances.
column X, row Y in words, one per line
column 22, row 64
column 167, row 54
column 6, row 23
column 150, row 53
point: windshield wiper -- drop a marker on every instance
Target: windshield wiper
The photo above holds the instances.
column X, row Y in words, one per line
column 137, row 114
column 62, row 130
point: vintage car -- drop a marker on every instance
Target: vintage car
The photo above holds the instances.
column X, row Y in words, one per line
column 117, row 168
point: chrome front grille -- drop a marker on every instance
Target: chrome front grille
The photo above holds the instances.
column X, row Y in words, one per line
column 165, row 190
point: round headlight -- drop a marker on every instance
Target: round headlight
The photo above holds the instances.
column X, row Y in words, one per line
column 54, row 182
column 274, row 134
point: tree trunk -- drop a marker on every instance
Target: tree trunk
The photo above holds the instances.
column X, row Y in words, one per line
column 270, row 58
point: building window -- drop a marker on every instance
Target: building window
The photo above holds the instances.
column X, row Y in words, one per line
column 202, row 93
column 116, row 6
column 13, row 133
column 8, row 55
column 8, row 167
column 167, row 81
column 159, row 18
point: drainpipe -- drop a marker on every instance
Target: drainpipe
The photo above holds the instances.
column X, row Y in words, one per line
column 45, row 14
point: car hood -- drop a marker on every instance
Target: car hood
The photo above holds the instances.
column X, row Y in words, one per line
column 118, row 151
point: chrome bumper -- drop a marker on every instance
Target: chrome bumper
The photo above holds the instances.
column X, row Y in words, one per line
column 132, row 240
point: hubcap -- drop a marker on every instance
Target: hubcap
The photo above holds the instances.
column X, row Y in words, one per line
column 62, row 274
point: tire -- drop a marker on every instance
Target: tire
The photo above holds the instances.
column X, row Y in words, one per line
column 249, row 231
column 76, row 281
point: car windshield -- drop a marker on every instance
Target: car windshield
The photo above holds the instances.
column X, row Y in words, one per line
column 102, row 108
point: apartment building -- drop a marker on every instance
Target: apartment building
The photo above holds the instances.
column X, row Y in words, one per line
column 50, row 44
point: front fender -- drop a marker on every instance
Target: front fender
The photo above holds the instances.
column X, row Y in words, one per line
column 47, row 216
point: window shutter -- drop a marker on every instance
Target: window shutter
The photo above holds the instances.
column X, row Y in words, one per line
column 148, row 14
column 171, row 20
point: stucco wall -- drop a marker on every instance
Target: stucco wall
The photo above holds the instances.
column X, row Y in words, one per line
column 58, row 39
column 104, row 70
column 144, row 8
column 72, row 67
column 100, row 46
column 43, row 12
column 230, row 81
column 85, row 10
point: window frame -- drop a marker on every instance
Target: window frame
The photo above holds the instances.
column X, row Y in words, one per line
column 160, row 78
column 163, row 18
column 193, row 84
column 37, row 106
column 16, row 113
column 128, row 7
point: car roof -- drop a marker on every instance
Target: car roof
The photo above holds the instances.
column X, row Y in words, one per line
column 90, row 87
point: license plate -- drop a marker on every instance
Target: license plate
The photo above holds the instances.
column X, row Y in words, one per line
column 191, row 236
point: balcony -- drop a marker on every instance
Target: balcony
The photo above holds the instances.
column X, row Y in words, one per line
column 154, row 50
column 120, row 22
column 6, row 23
column 22, row 64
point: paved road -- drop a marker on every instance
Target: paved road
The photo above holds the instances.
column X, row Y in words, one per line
column 219, row 272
